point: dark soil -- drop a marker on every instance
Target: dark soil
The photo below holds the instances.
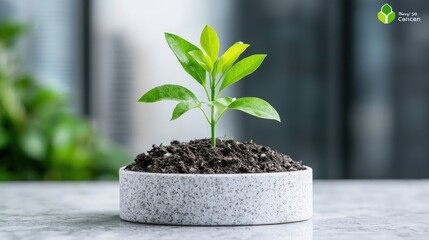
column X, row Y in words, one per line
column 198, row 156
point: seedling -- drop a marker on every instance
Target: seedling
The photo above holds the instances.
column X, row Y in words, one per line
column 221, row 73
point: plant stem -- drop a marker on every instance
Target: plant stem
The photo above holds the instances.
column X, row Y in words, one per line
column 212, row 110
column 207, row 93
column 213, row 128
column 205, row 115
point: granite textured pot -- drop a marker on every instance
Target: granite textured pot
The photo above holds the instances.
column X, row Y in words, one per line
column 216, row 199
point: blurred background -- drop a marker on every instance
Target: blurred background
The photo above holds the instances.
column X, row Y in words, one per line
column 352, row 92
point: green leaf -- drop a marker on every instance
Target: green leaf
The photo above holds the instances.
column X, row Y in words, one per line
column 202, row 59
column 386, row 9
column 168, row 92
column 183, row 107
column 226, row 101
column 10, row 32
column 391, row 17
column 241, row 69
column 382, row 17
column 181, row 47
column 11, row 103
column 221, row 104
column 210, row 42
column 256, row 107
column 230, row 56
column 33, row 144
column 5, row 139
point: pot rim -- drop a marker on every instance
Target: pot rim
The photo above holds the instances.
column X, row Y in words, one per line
column 306, row 170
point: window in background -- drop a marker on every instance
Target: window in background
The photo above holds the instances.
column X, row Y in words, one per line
column 52, row 47
column 300, row 77
column 354, row 92
column 390, row 106
column 411, row 94
column 112, row 100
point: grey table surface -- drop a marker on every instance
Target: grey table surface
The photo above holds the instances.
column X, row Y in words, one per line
column 357, row 209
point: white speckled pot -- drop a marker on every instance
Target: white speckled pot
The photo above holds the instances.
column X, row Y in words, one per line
column 216, row 199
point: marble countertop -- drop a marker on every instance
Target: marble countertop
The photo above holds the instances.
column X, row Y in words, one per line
column 397, row 209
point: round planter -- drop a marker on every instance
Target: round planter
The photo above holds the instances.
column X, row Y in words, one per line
column 216, row 199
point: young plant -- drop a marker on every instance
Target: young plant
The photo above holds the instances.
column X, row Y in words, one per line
column 221, row 73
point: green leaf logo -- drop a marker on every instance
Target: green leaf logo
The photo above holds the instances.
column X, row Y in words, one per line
column 386, row 14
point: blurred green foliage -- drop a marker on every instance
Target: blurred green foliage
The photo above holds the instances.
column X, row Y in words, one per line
column 40, row 137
